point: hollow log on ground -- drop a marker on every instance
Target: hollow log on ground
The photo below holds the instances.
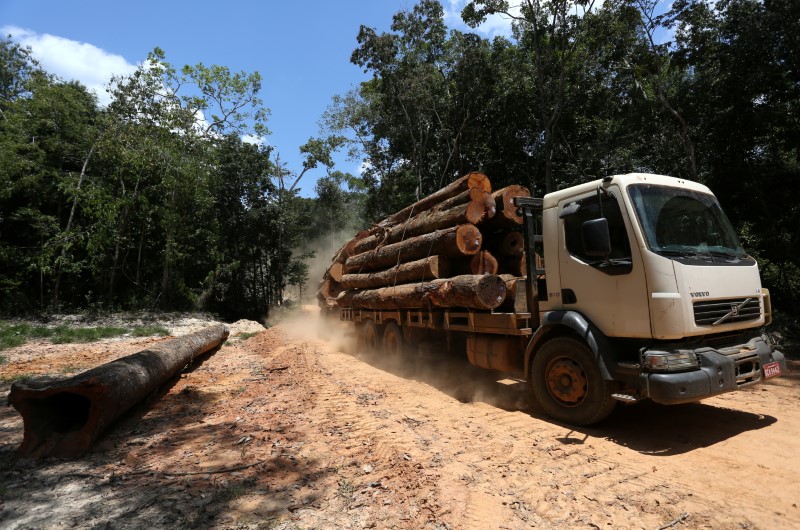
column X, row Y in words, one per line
column 471, row 180
column 462, row 240
column 469, row 291
column 430, row 268
column 506, row 214
column 64, row 417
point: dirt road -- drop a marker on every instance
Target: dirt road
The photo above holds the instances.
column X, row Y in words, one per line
column 288, row 431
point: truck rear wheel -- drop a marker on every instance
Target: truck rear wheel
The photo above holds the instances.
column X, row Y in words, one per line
column 368, row 337
column 567, row 382
column 393, row 343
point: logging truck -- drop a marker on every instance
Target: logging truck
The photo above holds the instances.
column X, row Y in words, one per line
column 627, row 288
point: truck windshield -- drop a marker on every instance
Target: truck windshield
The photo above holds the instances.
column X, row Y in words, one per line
column 685, row 224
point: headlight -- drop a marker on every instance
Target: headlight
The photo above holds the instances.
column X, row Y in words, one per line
column 676, row 361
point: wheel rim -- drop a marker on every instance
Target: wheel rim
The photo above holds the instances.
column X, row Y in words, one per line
column 566, row 381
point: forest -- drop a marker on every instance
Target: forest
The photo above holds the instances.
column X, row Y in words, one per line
column 158, row 201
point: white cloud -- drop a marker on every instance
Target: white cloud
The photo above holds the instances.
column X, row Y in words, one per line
column 72, row 60
column 253, row 139
column 494, row 25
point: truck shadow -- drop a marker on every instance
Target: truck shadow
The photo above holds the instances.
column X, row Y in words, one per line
column 665, row 430
column 646, row 427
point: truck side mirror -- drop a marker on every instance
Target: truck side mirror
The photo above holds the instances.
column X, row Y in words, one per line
column 596, row 237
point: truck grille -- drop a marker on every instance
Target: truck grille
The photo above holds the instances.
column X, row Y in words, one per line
column 709, row 313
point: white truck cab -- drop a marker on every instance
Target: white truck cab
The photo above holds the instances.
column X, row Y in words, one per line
column 646, row 273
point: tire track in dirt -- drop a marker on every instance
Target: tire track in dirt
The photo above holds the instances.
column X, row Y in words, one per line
column 548, row 475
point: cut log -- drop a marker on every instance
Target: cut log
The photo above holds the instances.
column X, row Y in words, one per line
column 506, row 214
column 516, row 266
column 336, row 271
column 430, row 268
column 470, row 195
column 471, row 180
column 426, row 222
column 462, row 240
column 511, row 292
column 329, row 288
column 468, row 291
column 64, row 417
column 505, row 243
column 481, row 263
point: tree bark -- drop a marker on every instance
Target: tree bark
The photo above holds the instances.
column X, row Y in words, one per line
column 64, row 417
column 430, row 268
column 467, row 291
column 462, row 240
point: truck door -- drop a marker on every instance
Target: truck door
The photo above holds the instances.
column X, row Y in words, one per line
column 611, row 292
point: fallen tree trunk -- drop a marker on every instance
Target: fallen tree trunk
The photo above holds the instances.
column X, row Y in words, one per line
column 64, row 417
column 430, row 268
column 468, row 291
column 462, row 240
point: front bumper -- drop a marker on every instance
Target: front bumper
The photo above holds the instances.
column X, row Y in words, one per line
column 721, row 370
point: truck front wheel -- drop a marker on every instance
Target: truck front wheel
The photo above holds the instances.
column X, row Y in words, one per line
column 567, row 383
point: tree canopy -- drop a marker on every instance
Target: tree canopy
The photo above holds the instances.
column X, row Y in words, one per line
column 157, row 201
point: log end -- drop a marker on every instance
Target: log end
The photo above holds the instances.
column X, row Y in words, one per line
column 468, row 239
column 476, row 179
column 492, row 291
column 483, row 263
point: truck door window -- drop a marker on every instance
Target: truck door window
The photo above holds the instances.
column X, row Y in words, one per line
column 619, row 261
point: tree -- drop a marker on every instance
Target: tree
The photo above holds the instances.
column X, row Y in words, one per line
column 552, row 31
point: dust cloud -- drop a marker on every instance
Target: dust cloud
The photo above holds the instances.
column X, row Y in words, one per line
column 441, row 366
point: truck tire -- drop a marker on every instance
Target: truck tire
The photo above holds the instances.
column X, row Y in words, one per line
column 393, row 343
column 369, row 337
column 567, row 382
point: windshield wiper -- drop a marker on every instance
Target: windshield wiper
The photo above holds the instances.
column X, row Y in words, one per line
column 686, row 254
column 731, row 255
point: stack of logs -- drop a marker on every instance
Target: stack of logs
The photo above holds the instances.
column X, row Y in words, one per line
column 458, row 247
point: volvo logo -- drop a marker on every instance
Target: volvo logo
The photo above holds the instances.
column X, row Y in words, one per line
column 699, row 294
column 734, row 312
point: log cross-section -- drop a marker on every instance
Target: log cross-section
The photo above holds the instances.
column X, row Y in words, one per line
column 64, row 417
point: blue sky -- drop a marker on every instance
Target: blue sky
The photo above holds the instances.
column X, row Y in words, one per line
column 302, row 50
